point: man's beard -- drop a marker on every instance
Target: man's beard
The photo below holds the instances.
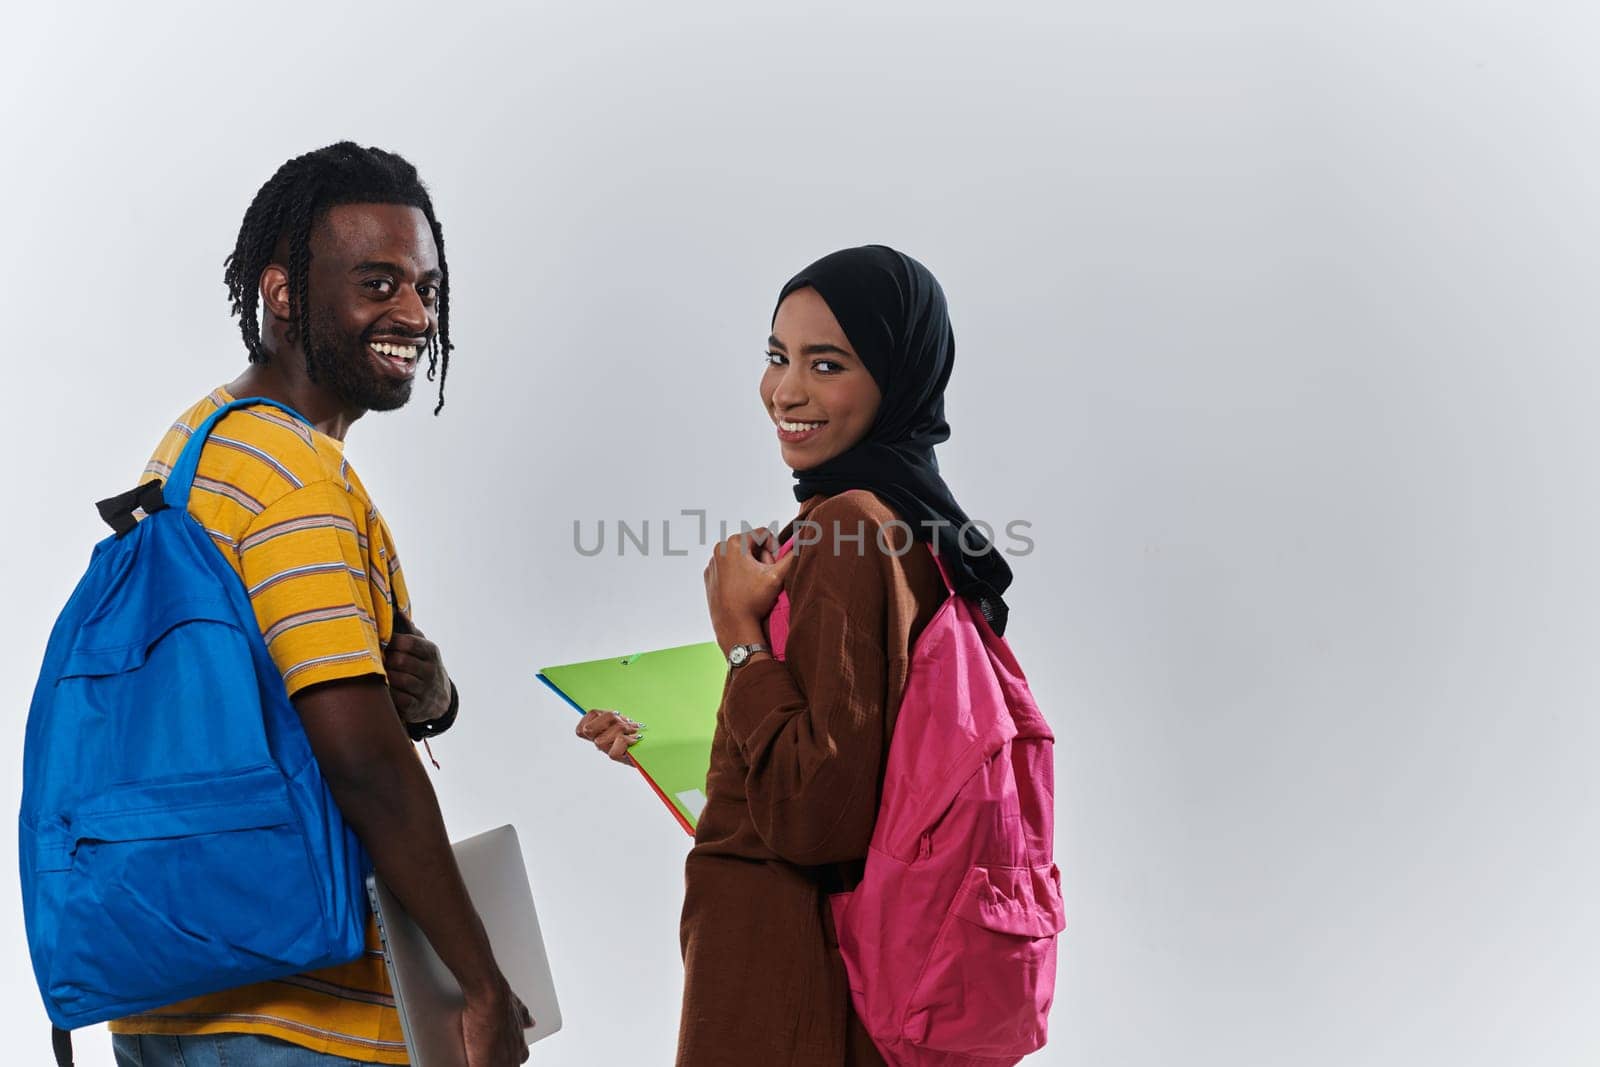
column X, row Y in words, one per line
column 344, row 364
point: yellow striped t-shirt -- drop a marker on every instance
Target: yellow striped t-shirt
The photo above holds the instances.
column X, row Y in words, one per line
column 284, row 508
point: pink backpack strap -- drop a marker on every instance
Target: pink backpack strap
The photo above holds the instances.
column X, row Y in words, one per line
column 778, row 618
column 944, row 570
column 777, row 625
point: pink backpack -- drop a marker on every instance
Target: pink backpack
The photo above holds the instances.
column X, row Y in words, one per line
column 950, row 939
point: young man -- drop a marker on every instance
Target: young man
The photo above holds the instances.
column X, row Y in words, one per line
column 340, row 285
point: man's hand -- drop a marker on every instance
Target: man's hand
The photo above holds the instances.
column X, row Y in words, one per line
column 492, row 1028
column 418, row 683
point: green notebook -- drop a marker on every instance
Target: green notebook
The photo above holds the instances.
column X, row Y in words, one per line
column 675, row 693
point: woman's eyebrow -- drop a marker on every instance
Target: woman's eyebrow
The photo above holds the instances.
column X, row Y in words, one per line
column 826, row 350
column 812, row 350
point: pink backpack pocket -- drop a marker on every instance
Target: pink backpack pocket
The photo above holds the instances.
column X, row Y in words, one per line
column 988, row 980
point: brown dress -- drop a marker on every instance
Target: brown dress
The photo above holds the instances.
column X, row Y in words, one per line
column 796, row 770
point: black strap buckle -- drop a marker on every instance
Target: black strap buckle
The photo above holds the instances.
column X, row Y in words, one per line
column 118, row 511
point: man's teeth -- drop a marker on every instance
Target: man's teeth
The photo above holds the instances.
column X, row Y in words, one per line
column 797, row 427
column 406, row 352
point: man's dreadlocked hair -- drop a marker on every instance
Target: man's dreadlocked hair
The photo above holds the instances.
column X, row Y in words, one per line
column 291, row 203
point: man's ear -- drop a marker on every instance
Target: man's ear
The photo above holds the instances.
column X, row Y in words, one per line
column 275, row 292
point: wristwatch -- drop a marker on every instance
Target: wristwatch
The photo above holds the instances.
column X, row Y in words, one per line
column 739, row 655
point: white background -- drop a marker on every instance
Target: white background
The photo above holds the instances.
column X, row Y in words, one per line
column 1276, row 321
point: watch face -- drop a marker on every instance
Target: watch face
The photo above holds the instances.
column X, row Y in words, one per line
column 738, row 655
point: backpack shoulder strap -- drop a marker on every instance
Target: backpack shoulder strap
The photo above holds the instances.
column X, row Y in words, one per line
column 182, row 477
column 944, row 570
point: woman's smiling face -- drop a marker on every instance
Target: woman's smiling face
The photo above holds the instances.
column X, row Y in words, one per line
column 816, row 390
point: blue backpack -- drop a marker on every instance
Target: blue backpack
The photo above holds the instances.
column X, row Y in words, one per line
column 176, row 834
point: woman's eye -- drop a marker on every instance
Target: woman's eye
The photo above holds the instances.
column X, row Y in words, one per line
column 776, row 359
column 827, row 366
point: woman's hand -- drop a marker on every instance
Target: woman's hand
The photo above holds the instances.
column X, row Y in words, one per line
column 611, row 732
column 743, row 581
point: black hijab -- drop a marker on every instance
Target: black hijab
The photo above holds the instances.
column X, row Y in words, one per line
column 893, row 311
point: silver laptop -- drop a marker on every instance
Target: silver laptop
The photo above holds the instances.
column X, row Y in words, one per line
column 426, row 994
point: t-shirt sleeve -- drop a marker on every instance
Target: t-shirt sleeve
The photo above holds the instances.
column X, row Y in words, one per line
column 302, row 564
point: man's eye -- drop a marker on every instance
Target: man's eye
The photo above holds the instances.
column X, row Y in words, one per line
column 428, row 292
column 776, row 359
column 380, row 285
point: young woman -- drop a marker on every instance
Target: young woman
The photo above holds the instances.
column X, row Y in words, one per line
column 860, row 352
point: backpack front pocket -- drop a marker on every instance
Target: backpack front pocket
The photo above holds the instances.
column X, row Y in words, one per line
column 986, row 987
column 190, row 886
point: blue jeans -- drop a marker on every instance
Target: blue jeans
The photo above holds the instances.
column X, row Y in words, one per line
column 217, row 1050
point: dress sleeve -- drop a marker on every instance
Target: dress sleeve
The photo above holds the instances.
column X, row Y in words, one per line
column 812, row 729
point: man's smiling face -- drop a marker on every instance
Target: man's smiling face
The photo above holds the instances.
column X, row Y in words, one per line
column 373, row 289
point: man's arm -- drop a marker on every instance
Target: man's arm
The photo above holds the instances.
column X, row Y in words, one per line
column 385, row 796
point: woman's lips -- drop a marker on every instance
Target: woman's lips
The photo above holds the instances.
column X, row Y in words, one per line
column 793, row 431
